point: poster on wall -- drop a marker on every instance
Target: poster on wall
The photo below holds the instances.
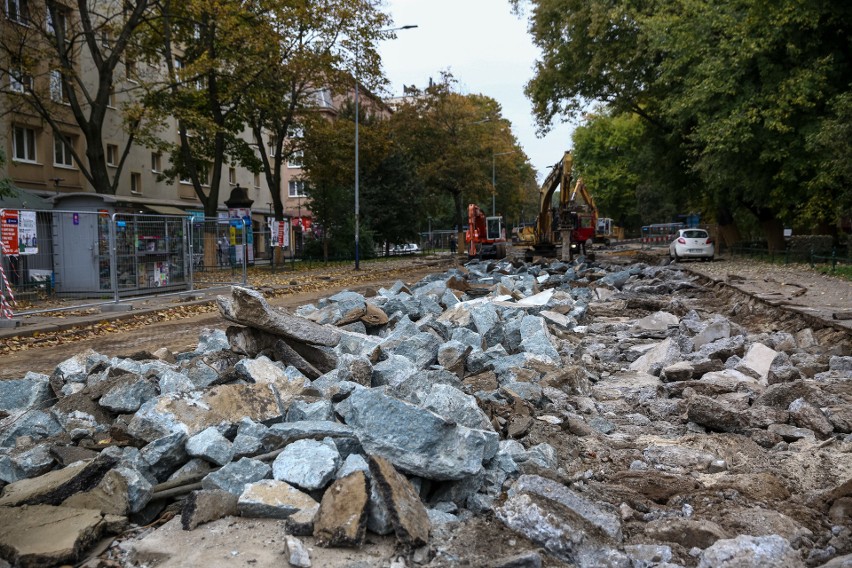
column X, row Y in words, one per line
column 27, row 241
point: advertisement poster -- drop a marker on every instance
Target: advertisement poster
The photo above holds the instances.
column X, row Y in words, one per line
column 9, row 232
column 280, row 231
column 27, row 242
column 244, row 213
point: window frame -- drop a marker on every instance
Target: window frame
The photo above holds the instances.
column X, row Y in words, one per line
column 136, row 183
column 31, row 145
column 22, row 16
column 296, row 159
column 296, row 188
column 156, row 162
column 60, row 143
column 112, row 160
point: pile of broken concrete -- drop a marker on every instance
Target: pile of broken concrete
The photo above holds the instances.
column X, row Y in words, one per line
column 589, row 408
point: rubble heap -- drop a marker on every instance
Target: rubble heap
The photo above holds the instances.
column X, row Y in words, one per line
column 599, row 411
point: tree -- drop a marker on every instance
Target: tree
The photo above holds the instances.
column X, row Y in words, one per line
column 212, row 51
column 5, row 185
column 454, row 138
column 735, row 89
column 49, row 53
column 315, row 50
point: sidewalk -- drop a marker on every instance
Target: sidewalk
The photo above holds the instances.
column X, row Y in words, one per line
column 82, row 316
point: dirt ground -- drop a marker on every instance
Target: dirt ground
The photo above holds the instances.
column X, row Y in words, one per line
column 43, row 353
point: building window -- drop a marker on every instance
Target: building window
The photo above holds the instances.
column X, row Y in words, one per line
column 130, row 69
column 273, row 146
column 296, row 188
column 156, row 162
column 18, row 11
column 135, row 182
column 58, row 25
column 295, row 160
column 24, row 144
column 58, row 92
column 62, row 152
column 323, row 98
column 232, row 176
column 112, row 98
column 112, row 154
column 257, row 181
column 20, row 82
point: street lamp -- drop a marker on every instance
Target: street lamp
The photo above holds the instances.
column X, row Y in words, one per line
column 494, row 179
column 357, row 170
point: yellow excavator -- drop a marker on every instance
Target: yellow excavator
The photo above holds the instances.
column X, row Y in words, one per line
column 568, row 224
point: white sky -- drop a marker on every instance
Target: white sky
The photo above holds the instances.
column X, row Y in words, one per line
column 488, row 51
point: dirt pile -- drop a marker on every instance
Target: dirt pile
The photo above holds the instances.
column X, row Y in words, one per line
column 497, row 414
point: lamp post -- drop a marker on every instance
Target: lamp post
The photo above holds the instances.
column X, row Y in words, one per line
column 494, row 180
column 357, row 169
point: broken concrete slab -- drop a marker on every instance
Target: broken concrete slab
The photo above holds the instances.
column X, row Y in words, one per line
column 273, row 499
column 234, row 477
column 193, row 412
column 308, row 464
column 205, row 506
column 408, row 514
column 249, row 308
column 342, row 517
column 54, row 487
column 417, row 441
column 45, row 535
column 31, row 392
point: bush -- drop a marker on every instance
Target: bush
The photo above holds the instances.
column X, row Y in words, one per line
column 803, row 245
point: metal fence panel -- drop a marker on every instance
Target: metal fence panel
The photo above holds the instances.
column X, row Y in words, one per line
column 219, row 252
column 150, row 254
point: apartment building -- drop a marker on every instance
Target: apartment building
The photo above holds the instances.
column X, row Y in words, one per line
column 40, row 162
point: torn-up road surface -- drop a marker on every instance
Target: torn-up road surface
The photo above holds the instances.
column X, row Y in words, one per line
column 494, row 415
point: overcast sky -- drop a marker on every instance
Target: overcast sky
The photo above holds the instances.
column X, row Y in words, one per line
column 488, row 51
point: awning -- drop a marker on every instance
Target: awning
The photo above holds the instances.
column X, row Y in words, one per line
column 166, row 210
column 21, row 199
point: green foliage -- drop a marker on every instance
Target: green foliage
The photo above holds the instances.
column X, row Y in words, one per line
column 746, row 104
column 457, row 144
column 6, row 189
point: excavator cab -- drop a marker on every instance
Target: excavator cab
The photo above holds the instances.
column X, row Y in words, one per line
column 493, row 228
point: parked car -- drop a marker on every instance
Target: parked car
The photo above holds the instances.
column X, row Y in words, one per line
column 407, row 248
column 692, row 243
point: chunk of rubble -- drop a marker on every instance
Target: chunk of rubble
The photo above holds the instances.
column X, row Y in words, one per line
column 205, row 506
column 565, row 523
column 308, row 464
column 249, row 308
column 409, row 517
column 416, row 440
column 30, row 393
column 273, row 499
column 746, row 550
column 54, row 487
column 45, row 535
column 342, row 517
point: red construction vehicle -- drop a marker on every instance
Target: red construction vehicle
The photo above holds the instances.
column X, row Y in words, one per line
column 484, row 236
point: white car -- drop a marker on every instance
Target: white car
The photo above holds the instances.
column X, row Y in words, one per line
column 408, row 248
column 692, row 243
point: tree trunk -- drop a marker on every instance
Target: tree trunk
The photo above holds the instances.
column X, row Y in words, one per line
column 773, row 229
column 728, row 232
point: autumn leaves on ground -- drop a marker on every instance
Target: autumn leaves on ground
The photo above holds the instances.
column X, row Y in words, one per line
column 305, row 282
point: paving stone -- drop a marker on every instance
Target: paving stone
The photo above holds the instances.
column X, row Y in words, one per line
column 270, row 498
column 342, row 516
column 408, row 514
column 308, row 464
column 44, row 535
column 205, row 506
